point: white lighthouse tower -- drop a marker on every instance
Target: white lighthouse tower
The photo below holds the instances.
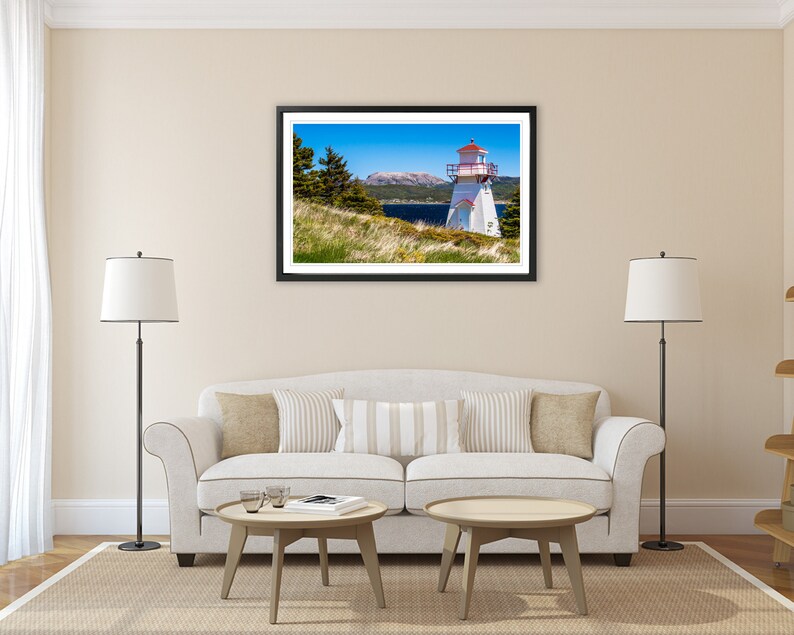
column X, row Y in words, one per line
column 472, row 208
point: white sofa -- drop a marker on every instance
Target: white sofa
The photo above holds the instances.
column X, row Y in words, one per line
column 198, row 480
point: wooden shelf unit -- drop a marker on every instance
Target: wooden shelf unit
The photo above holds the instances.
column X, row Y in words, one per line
column 781, row 444
column 771, row 520
column 785, row 369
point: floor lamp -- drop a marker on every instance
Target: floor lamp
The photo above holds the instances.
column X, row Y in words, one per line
column 139, row 290
column 663, row 290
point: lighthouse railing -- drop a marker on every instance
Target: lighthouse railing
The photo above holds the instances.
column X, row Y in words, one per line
column 472, row 169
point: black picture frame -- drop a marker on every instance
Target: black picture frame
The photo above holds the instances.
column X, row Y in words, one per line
column 283, row 215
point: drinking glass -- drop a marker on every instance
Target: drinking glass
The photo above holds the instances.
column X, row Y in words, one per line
column 252, row 500
column 278, row 495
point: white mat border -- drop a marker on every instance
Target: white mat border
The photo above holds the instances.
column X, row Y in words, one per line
column 19, row 602
column 763, row 586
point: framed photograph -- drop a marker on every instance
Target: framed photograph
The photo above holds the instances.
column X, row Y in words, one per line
column 403, row 194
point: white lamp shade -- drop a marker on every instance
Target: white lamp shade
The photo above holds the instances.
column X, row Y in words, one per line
column 139, row 290
column 663, row 290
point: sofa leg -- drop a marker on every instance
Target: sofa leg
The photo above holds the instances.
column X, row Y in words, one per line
column 185, row 559
column 622, row 559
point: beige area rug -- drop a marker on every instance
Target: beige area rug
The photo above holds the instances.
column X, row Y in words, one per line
column 691, row 591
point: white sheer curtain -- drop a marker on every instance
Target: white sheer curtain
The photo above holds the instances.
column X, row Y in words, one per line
column 25, row 308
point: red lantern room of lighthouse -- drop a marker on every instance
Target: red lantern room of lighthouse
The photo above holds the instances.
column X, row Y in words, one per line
column 472, row 207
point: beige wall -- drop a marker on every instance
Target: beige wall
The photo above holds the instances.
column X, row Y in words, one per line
column 788, row 215
column 648, row 140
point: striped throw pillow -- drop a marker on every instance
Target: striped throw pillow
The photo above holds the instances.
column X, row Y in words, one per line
column 306, row 420
column 497, row 421
column 398, row 429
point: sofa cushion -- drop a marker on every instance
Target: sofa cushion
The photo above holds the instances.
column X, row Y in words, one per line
column 432, row 478
column 250, row 424
column 306, row 420
column 398, row 429
column 497, row 421
column 563, row 424
column 373, row 477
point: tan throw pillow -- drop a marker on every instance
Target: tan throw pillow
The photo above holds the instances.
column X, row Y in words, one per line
column 250, row 424
column 563, row 424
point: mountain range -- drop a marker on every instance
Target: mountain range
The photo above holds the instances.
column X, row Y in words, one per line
column 421, row 187
column 404, row 178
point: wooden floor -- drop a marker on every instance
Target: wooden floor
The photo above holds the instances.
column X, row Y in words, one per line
column 752, row 553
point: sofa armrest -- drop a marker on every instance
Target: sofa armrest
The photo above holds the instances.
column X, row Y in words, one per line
column 187, row 446
column 622, row 447
column 198, row 440
column 609, row 434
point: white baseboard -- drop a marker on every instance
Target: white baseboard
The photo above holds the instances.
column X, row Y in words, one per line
column 684, row 516
column 94, row 516
column 705, row 515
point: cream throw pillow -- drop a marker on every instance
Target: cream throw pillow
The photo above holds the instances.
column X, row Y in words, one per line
column 563, row 424
column 497, row 421
column 250, row 424
column 307, row 422
column 398, row 429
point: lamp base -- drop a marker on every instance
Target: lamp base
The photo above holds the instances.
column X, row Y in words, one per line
column 146, row 545
column 658, row 545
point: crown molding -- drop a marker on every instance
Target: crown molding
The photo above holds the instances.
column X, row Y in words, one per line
column 418, row 14
column 786, row 12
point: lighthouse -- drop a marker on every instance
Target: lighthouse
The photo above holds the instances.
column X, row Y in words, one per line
column 472, row 208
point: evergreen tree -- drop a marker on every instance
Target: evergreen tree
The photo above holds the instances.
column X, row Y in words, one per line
column 510, row 223
column 333, row 185
column 304, row 177
column 357, row 198
column 334, row 178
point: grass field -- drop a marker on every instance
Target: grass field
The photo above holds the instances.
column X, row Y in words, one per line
column 329, row 235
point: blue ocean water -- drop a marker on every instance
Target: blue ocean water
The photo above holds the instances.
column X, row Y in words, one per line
column 430, row 213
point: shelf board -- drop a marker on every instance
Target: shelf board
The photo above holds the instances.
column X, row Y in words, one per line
column 782, row 444
column 790, row 294
column 785, row 368
column 771, row 521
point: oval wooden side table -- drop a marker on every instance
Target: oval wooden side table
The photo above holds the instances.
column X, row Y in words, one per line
column 286, row 527
column 490, row 518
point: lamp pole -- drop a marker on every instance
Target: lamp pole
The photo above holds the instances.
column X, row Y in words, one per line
column 662, row 414
column 662, row 544
column 140, row 544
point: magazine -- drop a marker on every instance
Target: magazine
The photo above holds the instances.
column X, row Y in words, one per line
column 326, row 504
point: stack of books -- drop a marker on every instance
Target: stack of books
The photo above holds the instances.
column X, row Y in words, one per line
column 326, row 504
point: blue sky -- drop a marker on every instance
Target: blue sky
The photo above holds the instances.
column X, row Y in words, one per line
column 410, row 147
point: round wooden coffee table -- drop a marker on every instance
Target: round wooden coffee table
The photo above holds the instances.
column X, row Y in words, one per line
column 286, row 527
column 489, row 518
